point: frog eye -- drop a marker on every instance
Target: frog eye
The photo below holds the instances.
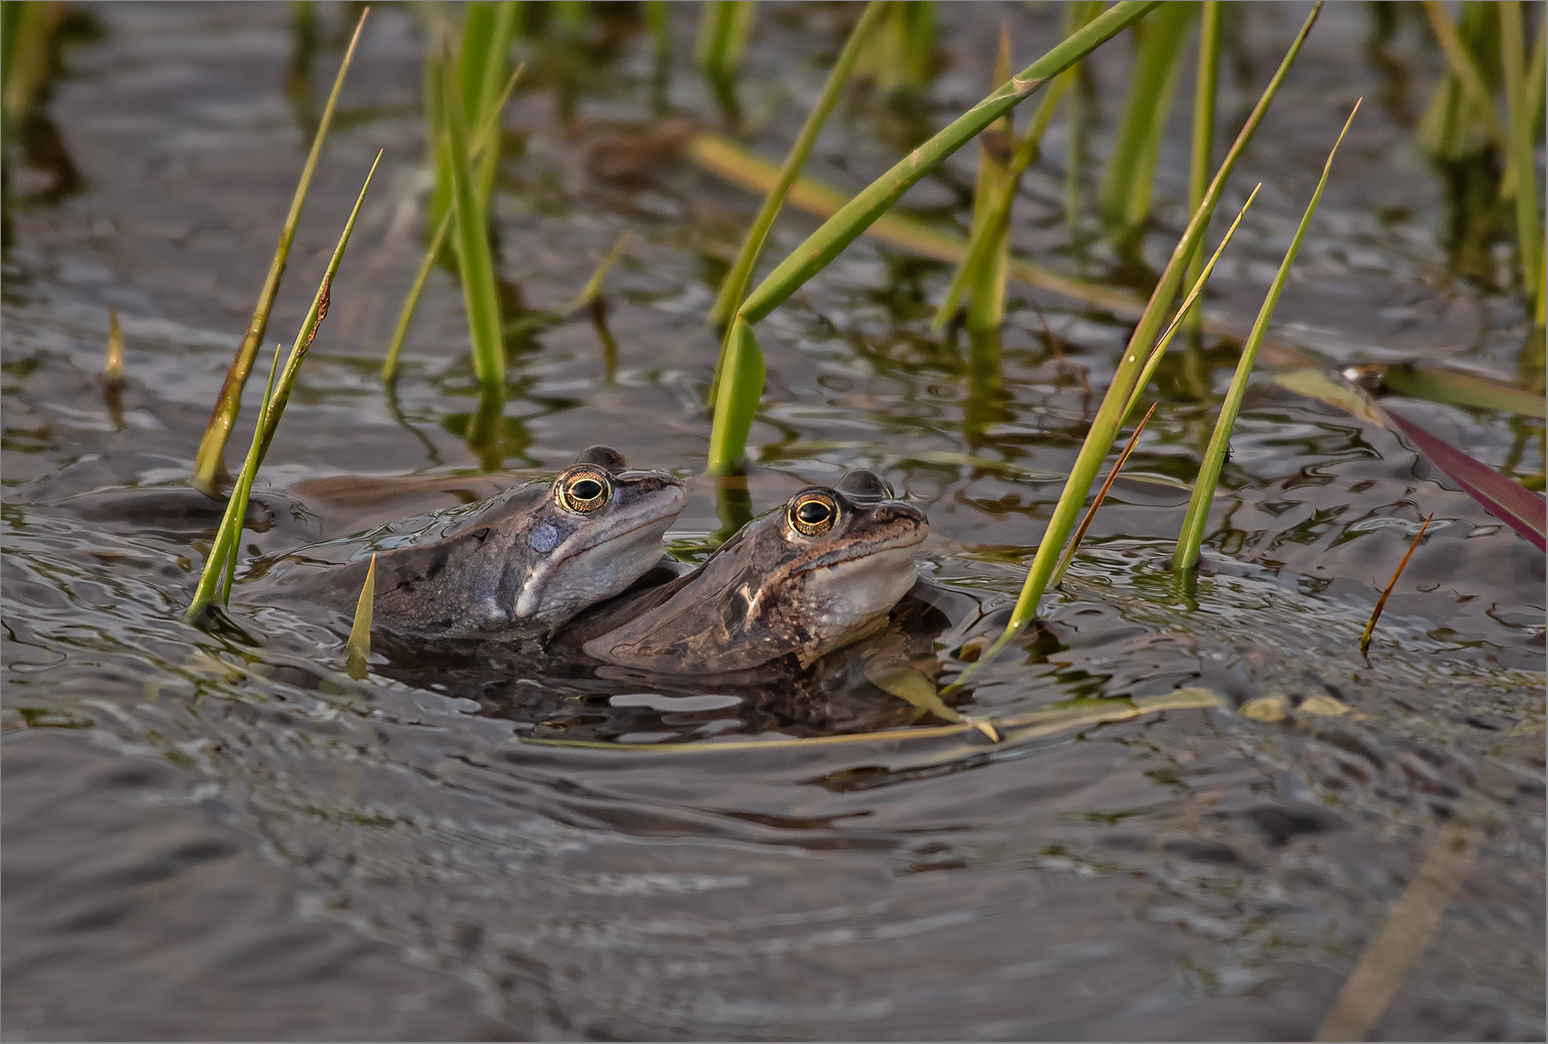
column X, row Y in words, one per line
column 812, row 514
column 582, row 491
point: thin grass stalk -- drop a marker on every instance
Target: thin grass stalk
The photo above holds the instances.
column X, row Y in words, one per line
column 734, row 287
column 1126, row 189
column 658, row 23
column 1535, row 90
column 982, row 272
column 1076, row 14
column 26, row 37
column 357, row 648
column 722, row 36
column 995, row 229
column 986, row 302
column 1187, row 306
column 209, row 462
column 1466, row 72
column 587, row 295
column 1381, row 603
column 1205, row 89
column 1115, row 403
column 486, row 135
column 490, row 97
column 1522, row 133
column 223, row 552
column 822, row 246
column 1085, row 523
column 470, row 237
column 1192, row 535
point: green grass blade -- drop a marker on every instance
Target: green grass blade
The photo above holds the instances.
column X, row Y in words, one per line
column 209, row 462
column 823, row 245
column 1522, row 135
column 1183, row 311
column 1126, row 188
column 221, row 561
column 357, row 648
column 491, row 99
column 471, row 239
column 1080, row 532
column 486, row 137
column 737, row 400
column 1206, row 87
column 729, row 160
column 113, row 369
column 1192, row 535
column 1459, row 388
column 722, row 36
column 1115, row 404
column 734, row 287
column 1466, row 72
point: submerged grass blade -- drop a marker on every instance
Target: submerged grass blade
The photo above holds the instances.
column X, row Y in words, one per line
column 470, row 237
column 734, row 287
column 222, row 558
column 1115, row 404
column 1381, row 603
column 822, row 246
column 209, row 462
column 357, row 648
column 1085, row 523
column 113, row 369
column 1458, row 388
column 587, row 295
column 729, row 160
column 1192, row 535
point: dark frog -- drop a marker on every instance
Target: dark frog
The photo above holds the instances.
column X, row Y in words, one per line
column 818, row 573
column 518, row 564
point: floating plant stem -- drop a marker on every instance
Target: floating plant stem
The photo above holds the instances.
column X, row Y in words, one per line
column 357, row 648
column 1381, row 603
column 470, row 237
column 222, row 558
column 209, row 463
column 727, row 449
column 1522, row 135
column 1115, row 403
column 113, row 369
column 587, row 295
column 481, row 143
column 1192, row 535
column 1085, row 523
column 1131, row 174
column 734, row 286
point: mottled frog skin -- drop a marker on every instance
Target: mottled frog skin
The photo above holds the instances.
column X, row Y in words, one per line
column 817, row 573
column 518, row 564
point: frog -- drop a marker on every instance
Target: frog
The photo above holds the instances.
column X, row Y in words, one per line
column 819, row 572
column 519, row 564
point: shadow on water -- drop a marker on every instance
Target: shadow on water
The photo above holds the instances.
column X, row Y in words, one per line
column 227, row 835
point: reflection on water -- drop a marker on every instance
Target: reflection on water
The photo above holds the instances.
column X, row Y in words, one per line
column 1191, row 873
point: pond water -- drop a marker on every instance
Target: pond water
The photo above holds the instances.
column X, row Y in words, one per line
column 211, row 838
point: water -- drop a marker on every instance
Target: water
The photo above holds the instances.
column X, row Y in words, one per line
column 211, row 838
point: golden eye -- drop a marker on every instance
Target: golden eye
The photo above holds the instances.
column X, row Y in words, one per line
column 583, row 492
column 812, row 514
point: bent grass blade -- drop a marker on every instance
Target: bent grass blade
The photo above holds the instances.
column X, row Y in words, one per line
column 1115, row 404
column 1192, row 534
column 209, row 462
column 1381, row 603
column 222, row 559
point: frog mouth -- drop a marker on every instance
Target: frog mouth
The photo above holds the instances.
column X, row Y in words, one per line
column 847, row 555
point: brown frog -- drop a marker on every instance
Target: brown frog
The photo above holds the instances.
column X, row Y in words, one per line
column 518, row 564
column 807, row 578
